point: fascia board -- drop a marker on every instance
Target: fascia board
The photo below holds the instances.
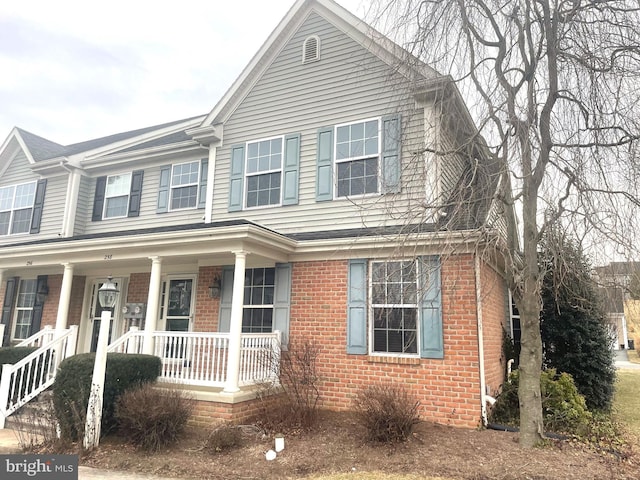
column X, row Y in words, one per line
column 131, row 142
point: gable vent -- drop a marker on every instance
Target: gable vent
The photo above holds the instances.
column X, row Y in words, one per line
column 311, row 49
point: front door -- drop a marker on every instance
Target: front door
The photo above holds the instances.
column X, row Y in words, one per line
column 96, row 312
column 178, row 304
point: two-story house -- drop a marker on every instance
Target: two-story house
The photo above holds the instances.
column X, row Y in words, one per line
column 337, row 193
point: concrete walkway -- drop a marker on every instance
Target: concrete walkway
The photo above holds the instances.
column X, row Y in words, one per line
column 622, row 361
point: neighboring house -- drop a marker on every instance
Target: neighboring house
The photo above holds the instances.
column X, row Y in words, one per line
column 309, row 201
column 616, row 281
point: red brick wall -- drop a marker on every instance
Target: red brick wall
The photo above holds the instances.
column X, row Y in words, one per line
column 138, row 288
column 206, row 315
column 448, row 389
column 494, row 297
column 50, row 309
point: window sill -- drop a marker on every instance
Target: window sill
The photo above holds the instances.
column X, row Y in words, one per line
column 394, row 360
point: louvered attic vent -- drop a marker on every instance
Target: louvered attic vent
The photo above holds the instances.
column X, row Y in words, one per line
column 311, row 49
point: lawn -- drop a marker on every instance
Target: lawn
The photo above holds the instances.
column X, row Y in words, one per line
column 627, row 400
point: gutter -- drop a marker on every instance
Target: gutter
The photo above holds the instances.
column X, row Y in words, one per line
column 484, row 398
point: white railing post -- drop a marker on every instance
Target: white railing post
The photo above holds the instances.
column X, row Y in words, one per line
column 1, row 333
column 71, row 342
column 4, row 392
column 132, row 346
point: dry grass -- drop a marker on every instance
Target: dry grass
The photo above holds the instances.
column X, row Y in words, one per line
column 374, row 476
column 634, row 356
column 627, row 400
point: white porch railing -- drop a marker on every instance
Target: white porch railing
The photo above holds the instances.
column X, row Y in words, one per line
column 39, row 339
column 200, row 358
column 36, row 372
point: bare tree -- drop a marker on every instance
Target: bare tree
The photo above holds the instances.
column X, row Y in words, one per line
column 554, row 89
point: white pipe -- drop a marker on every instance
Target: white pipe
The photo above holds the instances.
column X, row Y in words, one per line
column 483, row 385
column 509, row 363
column 490, row 399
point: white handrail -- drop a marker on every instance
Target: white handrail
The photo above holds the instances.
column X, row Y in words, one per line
column 38, row 339
column 36, row 372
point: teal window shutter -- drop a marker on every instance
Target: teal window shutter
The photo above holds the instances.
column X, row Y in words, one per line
column 430, row 314
column 98, row 199
column 202, row 187
column 324, row 165
column 291, row 170
column 226, row 294
column 38, row 205
column 135, row 193
column 357, row 307
column 282, row 301
column 163, row 189
column 236, row 185
column 391, row 158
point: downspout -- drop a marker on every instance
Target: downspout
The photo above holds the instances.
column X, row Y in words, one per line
column 208, row 208
column 484, row 398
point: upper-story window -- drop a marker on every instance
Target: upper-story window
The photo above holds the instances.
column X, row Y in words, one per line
column 16, row 208
column 357, row 155
column 117, row 196
column 183, row 186
column 264, row 172
column 359, row 158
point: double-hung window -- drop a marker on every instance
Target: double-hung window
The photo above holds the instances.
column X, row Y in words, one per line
column 357, row 154
column 16, row 208
column 394, row 307
column 184, row 185
column 264, row 172
column 25, row 302
column 117, row 195
column 259, row 288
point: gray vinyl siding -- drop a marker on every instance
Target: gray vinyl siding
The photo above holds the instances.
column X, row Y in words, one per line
column 347, row 84
column 148, row 217
column 85, row 202
column 453, row 165
column 19, row 171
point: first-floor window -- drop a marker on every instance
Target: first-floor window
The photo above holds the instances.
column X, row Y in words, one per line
column 394, row 306
column 24, row 309
column 515, row 323
column 259, row 286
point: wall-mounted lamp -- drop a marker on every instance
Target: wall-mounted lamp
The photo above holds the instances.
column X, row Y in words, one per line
column 41, row 294
column 214, row 288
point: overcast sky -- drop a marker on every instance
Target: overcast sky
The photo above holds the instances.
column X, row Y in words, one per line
column 73, row 70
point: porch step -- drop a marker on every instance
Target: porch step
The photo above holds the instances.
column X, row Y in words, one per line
column 35, row 418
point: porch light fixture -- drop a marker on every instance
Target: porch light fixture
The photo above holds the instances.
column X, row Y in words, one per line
column 108, row 293
column 214, row 288
column 107, row 296
column 41, row 294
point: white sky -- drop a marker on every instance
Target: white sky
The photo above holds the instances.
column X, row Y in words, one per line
column 73, row 70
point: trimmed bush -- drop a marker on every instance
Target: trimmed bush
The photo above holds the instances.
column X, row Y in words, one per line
column 72, row 387
column 14, row 354
column 223, row 438
column 387, row 412
column 152, row 418
column 563, row 408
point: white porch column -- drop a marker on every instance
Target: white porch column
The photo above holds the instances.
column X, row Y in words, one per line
column 235, row 329
column 153, row 300
column 65, row 297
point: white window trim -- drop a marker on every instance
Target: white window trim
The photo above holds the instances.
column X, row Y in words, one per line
column 351, row 159
column 17, row 309
column 263, row 306
column 263, row 172
column 370, row 307
column 172, row 186
column 104, row 208
column 13, row 209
